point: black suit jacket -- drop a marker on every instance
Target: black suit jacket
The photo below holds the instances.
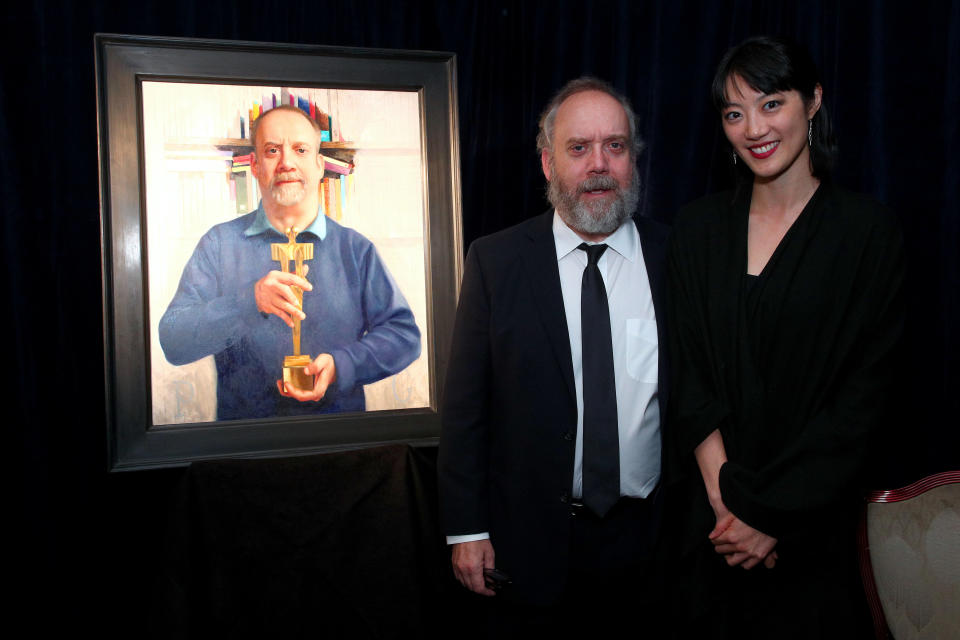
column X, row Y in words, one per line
column 509, row 413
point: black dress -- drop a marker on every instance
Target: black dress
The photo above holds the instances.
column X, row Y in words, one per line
column 794, row 367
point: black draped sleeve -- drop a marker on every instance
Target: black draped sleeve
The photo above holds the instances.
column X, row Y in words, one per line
column 798, row 382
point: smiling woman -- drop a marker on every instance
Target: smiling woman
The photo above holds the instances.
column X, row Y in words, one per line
column 770, row 130
column 774, row 72
column 786, row 310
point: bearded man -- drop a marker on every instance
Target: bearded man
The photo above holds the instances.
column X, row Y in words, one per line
column 550, row 451
column 234, row 303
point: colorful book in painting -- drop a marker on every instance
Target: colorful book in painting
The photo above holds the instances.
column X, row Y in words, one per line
column 337, row 166
column 239, row 191
column 334, row 205
column 323, row 201
column 323, row 119
column 325, row 194
column 245, row 189
column 332, row 198
column 335, row 183
column 245, row 183
column 335, row 130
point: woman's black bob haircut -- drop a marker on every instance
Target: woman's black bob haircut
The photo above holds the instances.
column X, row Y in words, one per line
column 771, row 64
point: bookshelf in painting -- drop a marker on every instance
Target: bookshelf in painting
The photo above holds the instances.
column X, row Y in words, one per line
column 337, row 185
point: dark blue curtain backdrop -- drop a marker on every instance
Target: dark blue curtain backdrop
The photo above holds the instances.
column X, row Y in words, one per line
column 891, row 79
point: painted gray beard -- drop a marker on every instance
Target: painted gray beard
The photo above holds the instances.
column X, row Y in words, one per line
column 287, row 195
column 597, row 218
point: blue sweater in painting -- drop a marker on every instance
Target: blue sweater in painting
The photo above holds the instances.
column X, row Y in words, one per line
column 355, row 312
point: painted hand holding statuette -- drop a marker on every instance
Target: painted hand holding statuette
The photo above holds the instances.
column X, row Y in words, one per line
column 298, row 252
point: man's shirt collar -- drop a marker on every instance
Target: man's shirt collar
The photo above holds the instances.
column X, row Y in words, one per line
column 623, row 240
column 260, row 224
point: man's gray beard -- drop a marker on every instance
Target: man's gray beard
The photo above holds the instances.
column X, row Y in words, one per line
column 598, row 217
column 287, row 195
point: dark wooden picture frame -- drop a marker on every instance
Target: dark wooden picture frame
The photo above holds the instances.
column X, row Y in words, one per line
column 123, row 63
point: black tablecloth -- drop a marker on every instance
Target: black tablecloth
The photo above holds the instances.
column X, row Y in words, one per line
column 335, row 545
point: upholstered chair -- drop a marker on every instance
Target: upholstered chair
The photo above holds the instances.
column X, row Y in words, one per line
column 910, row 557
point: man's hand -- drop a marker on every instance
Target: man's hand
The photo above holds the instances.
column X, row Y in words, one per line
column 274, row 295
column 742, row 544
column 325, row 370
column 469, row 559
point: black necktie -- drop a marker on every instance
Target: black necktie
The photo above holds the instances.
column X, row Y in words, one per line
column 601, row 451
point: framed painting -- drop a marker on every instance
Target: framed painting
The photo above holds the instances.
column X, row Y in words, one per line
column 193, row 361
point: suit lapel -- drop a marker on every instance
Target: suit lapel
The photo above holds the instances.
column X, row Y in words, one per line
column 544, row 276
column 654, row 258
column 654, row 247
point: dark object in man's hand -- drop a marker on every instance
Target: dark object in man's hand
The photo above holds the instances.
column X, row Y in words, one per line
column 496, row 579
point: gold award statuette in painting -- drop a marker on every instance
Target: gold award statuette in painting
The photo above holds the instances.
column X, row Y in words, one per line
column 298, row 253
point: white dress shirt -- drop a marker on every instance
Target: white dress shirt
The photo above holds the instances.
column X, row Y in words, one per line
column 633, row 328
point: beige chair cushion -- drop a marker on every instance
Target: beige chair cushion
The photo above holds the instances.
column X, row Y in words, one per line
column 915, row 552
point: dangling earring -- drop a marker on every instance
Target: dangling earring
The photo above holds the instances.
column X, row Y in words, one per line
column 809, row 133
column 734, row 158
